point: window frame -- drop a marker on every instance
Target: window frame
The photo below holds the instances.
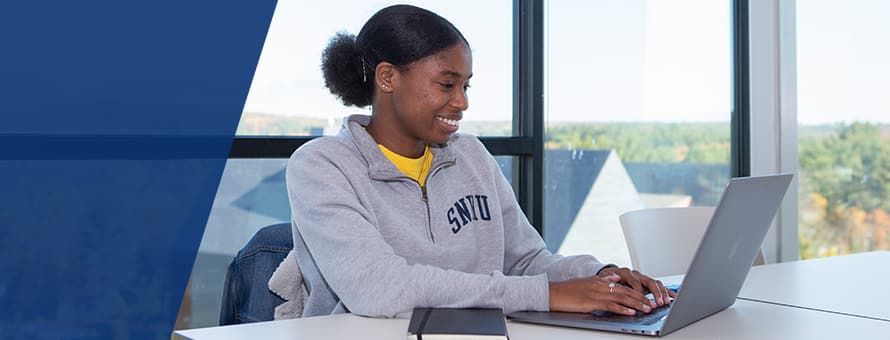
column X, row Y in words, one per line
column 773, row 129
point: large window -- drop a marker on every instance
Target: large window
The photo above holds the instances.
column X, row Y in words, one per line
column 638, row 107
column 288, row 97
column 843, row 126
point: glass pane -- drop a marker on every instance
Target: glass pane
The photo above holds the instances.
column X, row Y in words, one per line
column 288, row 97
column 843, row 126
column 638, row 104
column 506, row 164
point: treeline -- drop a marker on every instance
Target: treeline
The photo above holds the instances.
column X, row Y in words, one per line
column 647, row 142
column 259, row 124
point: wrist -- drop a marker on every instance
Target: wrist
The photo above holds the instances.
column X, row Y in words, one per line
column 553, row 295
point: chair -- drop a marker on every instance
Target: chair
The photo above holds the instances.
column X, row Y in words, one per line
column 246, row 295
column 662, row 241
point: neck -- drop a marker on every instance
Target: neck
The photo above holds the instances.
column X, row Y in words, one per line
column 385, row 132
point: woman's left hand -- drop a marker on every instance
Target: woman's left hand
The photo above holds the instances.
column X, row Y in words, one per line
column 641, row 283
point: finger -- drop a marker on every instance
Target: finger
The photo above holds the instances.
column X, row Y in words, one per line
column 633, row 280
column 631, row 298
column 667, row 293
column 618, row 309
column 659, row 293
column 612, row 277
column 636, row 304
column 655, row 287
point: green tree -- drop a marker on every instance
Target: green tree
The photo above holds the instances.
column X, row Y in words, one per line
column 846, row 176
column 647, row 142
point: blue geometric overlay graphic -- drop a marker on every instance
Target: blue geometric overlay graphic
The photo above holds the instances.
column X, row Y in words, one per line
column 116, row 119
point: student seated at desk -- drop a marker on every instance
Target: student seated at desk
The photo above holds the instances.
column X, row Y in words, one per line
column 399, row 211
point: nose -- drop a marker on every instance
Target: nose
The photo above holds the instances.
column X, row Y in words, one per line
column 459, row 100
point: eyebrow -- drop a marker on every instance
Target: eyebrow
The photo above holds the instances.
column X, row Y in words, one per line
column 454, row 74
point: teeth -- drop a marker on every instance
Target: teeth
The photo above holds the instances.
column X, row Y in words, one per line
column 451, row 122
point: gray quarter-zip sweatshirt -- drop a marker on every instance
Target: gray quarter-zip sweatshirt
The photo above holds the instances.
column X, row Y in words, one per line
column 369, row 240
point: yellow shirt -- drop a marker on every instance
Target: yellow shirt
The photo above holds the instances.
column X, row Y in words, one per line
column 416, row 168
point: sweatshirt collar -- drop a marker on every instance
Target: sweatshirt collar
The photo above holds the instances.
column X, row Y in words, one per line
column 380, row 167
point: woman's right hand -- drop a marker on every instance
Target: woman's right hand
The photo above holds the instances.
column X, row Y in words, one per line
column 597, row 293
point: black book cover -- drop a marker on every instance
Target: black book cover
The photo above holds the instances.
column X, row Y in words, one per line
column 470, row 321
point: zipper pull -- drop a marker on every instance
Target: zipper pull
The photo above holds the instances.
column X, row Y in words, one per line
column 423, row 192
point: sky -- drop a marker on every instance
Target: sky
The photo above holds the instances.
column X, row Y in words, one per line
column 606, row 60
column 843, row 49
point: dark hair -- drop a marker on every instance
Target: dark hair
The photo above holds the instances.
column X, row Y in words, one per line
column 399, row 34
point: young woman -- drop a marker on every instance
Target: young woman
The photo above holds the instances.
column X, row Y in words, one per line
column 398, row 211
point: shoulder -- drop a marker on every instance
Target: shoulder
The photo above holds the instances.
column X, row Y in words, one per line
column 321, row 145
column 323, row 152
column 343, row 145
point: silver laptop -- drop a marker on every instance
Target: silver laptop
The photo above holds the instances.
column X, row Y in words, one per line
column 717, row 271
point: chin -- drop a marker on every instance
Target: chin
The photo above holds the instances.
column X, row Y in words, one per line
column 440, row 139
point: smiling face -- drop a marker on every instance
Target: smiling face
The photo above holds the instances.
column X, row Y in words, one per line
column 422, row 102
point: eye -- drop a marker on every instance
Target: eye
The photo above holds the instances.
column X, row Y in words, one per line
column 447, row 85
column 467, row 86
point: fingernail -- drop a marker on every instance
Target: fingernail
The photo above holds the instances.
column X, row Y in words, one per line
column 646, row 308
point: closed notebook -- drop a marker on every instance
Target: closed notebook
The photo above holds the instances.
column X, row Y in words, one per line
column 457, row 323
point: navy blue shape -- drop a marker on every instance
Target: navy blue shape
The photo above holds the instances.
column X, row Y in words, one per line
column 116, row 119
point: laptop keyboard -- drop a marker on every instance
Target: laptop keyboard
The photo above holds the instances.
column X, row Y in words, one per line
column 640, row 319
column 654, row 316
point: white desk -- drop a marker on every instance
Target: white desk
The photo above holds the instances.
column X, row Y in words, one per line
column 743, row 320
column 852, row 284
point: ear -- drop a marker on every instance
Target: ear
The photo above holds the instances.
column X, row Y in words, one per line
column 386, row 76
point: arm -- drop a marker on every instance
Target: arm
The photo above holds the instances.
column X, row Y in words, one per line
column 574, row 282
column 363, row 270
column 526, row 253
column 577, row 283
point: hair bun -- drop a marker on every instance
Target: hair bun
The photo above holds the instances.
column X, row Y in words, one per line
column 341, row 65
